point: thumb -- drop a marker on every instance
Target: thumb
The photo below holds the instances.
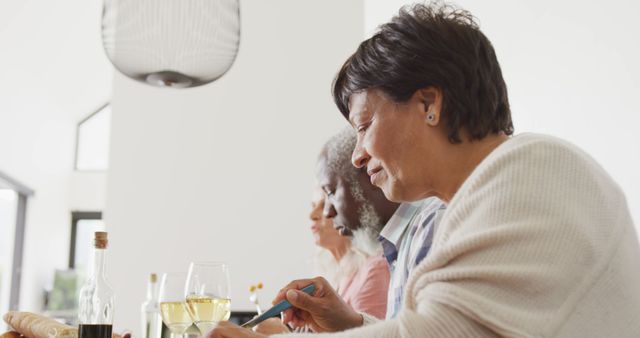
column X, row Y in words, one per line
column 301, row 300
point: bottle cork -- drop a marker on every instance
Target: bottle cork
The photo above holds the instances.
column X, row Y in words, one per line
column 153, row 278
column 101, row 240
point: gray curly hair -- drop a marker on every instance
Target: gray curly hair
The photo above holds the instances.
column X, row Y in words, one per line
column 338, row 154
column 364, row 242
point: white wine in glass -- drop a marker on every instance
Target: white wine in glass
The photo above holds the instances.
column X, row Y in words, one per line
column 173, row 308
column 207, row 294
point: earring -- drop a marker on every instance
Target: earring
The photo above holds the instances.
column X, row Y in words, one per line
column 431, row 117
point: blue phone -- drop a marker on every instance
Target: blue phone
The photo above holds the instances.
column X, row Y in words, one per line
column 276, row 309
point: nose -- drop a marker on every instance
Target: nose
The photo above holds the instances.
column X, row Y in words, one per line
column 316, row 212
column 329, row 211
column 359, row 157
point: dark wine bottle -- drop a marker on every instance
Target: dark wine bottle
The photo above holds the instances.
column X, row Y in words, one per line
column 95, row 330
column 95, row 313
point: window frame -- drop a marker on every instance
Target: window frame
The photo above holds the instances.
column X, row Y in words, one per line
column 78, row 125
column 23, row 192
column 77, row 216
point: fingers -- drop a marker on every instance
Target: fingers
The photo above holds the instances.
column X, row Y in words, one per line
column 294, row 317
column 219, row 331
column 271, row 326
column 303, row 301
column 287, row 316
column 320, row 283
column 296, row 284
column 230, row 330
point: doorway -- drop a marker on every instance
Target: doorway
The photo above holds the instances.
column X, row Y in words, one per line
column 13, row 209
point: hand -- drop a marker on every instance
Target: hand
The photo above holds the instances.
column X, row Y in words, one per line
column 324, row 311
column 230, row 330
column 271, row 326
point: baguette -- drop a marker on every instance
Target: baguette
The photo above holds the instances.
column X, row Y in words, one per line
column 11, row 334
column 32, row 325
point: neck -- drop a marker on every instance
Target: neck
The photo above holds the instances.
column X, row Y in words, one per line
column 466, row 157
column 339, row 251
column 385, row 209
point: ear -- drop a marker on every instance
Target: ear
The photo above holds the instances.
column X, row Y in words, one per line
column 430, row 99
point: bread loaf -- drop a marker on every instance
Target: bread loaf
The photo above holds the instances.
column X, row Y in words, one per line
column 32, row 325
column 10, row 334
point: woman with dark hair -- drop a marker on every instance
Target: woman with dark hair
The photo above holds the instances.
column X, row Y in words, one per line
column 536, row 240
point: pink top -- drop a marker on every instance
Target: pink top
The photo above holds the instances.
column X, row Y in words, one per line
column 366, row 290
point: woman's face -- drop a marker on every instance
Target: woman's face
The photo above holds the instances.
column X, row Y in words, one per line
column 324, row 234
column 395, row 144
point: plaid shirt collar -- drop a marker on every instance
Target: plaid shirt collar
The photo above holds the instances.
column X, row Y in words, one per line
column 391, row 234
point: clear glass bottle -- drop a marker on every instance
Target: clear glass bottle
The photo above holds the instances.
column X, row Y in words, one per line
column 95, row 314
column 150, row 310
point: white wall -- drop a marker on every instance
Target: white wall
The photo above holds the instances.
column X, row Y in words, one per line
column 53, row 74
column 572, row 71
column 224, row 172
column 38, row 149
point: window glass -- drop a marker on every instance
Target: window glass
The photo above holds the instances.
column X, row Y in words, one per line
column 92, row 152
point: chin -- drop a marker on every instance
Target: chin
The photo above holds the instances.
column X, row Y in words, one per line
column 391, row 193
column 397, row 194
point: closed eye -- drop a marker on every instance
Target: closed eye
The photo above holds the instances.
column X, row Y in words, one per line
column 327, row 191
column 362, row 127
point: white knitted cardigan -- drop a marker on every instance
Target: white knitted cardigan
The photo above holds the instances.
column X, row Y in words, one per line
column 537, row 242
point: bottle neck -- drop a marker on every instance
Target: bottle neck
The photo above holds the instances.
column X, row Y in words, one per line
column 151, row 290
column 100, row 263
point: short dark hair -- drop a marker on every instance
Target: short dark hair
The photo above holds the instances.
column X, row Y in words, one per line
column 437, row 45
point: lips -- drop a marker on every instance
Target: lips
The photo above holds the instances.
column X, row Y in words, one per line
column 373, row 171
column 373, row 174
column 314, row 228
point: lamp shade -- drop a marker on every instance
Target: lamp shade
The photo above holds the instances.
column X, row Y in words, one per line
column 171, row 43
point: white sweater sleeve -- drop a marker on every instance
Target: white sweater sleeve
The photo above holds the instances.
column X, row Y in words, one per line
column 437, row 321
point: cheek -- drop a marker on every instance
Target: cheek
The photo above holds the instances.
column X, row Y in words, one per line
column 345, row 208
column 377, row 145
column 326, row 225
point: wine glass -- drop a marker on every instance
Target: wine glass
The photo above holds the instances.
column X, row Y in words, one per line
column 172, row 305
column 207, row 294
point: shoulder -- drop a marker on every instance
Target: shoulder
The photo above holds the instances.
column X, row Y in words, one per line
column 374, row 269
column 377, row 262
column 537, row 162
column 374, row 265
column 532, row 147
column 533, row 183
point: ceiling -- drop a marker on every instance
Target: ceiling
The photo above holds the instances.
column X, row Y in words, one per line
column 51, row 58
